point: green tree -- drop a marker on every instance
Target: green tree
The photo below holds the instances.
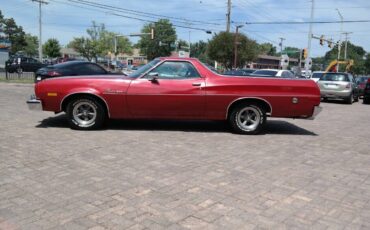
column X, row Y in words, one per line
column 199, row 50
column 182, row 44
column 85, row 47
column 354, row 52
column 267, row 49
column 292, row 52
column 221, row 49
column 163, row 42
column 99, row 42
column 52, row 48
column 32, row 45
column 367, row 64
column 14, row 32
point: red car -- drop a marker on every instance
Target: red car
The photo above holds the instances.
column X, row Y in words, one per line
column 177, row 88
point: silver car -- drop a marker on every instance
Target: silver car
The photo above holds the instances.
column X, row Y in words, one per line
column 338, row 86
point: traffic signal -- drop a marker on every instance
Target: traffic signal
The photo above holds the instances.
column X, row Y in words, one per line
column 304, row 53
column 322, row 40
column 330, row 43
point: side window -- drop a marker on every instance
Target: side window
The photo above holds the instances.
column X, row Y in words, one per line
column 175, row 70
column 95, row 69
column 284, row 74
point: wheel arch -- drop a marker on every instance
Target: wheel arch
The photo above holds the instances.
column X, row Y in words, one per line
column 252, row 100
column 72, row 96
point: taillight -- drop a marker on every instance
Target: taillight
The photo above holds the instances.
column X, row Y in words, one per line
column 348, row 86
column 53, row 73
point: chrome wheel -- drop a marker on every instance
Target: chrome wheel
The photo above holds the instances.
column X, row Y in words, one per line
column 248, row 118
column 84, row 113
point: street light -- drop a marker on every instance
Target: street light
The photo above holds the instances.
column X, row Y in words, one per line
column 236, row 45
column 340, row 37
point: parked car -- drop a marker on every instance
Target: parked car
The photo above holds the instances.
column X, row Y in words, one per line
column 177, row 88
column 367, row 92
column 361, row 83
column 316, row 75
column 273, row 73
column 338, row 86
column 21, row 64
column 71, row 68
column 239, row 72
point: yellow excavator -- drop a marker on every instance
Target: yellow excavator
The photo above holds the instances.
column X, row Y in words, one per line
column 332, row 67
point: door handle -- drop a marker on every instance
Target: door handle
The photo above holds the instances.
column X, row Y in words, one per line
column 197, row 84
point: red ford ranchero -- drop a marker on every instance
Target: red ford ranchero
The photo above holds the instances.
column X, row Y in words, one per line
column 177, row 88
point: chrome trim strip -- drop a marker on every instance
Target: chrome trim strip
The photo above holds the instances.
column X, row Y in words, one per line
column 317, row 109
column 241, row 98
column 106, row 104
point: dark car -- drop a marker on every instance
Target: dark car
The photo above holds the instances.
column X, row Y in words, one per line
column 71, row 68
column 367, row 92
column 23, row 64
column 361, row 82
column 239, row 72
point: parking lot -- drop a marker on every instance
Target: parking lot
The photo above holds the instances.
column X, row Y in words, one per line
column 299, row 174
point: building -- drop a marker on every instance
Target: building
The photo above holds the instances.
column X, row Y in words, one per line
column 135, row 58
column 270, row 62
column 70, row 53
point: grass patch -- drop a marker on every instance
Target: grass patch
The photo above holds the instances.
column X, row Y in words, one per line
column 29, row 81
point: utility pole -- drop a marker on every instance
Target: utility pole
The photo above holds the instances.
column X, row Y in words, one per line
column 340, row 38
column 40, row 26
column 281, row 45
column 236, row 46
column 309, row 39
column 228, row 15
column 345, row 44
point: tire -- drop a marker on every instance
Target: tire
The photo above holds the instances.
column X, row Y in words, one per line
column 19, row 70
column 86, row 114
column 349, row 99
column 366, row 100
column 253, row 124
column 357, row 98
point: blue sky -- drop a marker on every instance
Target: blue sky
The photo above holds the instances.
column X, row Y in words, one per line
column 64, row 20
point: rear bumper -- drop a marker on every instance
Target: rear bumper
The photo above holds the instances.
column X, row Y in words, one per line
column 335, row 94
column 316, row 111
column 34, row 104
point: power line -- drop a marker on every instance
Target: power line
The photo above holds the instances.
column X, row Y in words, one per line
column 135, row 18
column 139, row 13
column 313, row 22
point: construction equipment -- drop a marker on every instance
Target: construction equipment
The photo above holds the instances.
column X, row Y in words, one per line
column 332, row 67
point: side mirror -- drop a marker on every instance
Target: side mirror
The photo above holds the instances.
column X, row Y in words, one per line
column 153, row 77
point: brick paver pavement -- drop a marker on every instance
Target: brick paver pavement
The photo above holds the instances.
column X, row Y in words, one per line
column 300, row 174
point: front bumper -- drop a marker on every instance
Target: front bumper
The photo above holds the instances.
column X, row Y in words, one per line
column 316, row 111
column 34, row 104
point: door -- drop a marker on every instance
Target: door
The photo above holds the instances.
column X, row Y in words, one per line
column 174, row 89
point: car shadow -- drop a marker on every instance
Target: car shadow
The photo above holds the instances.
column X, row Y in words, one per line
column 272, row 126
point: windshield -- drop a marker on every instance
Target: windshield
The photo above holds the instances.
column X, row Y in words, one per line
column 317, row 75
column 144, row 68
column 265, row 72
column 334, row 77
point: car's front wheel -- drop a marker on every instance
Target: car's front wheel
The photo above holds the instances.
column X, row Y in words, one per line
column 86, row 114
column 247, row 118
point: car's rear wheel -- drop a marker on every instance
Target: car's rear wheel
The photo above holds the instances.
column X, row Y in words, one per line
column 85, row 114
column 349, row 100
column 19, row 70
column 247, row 118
